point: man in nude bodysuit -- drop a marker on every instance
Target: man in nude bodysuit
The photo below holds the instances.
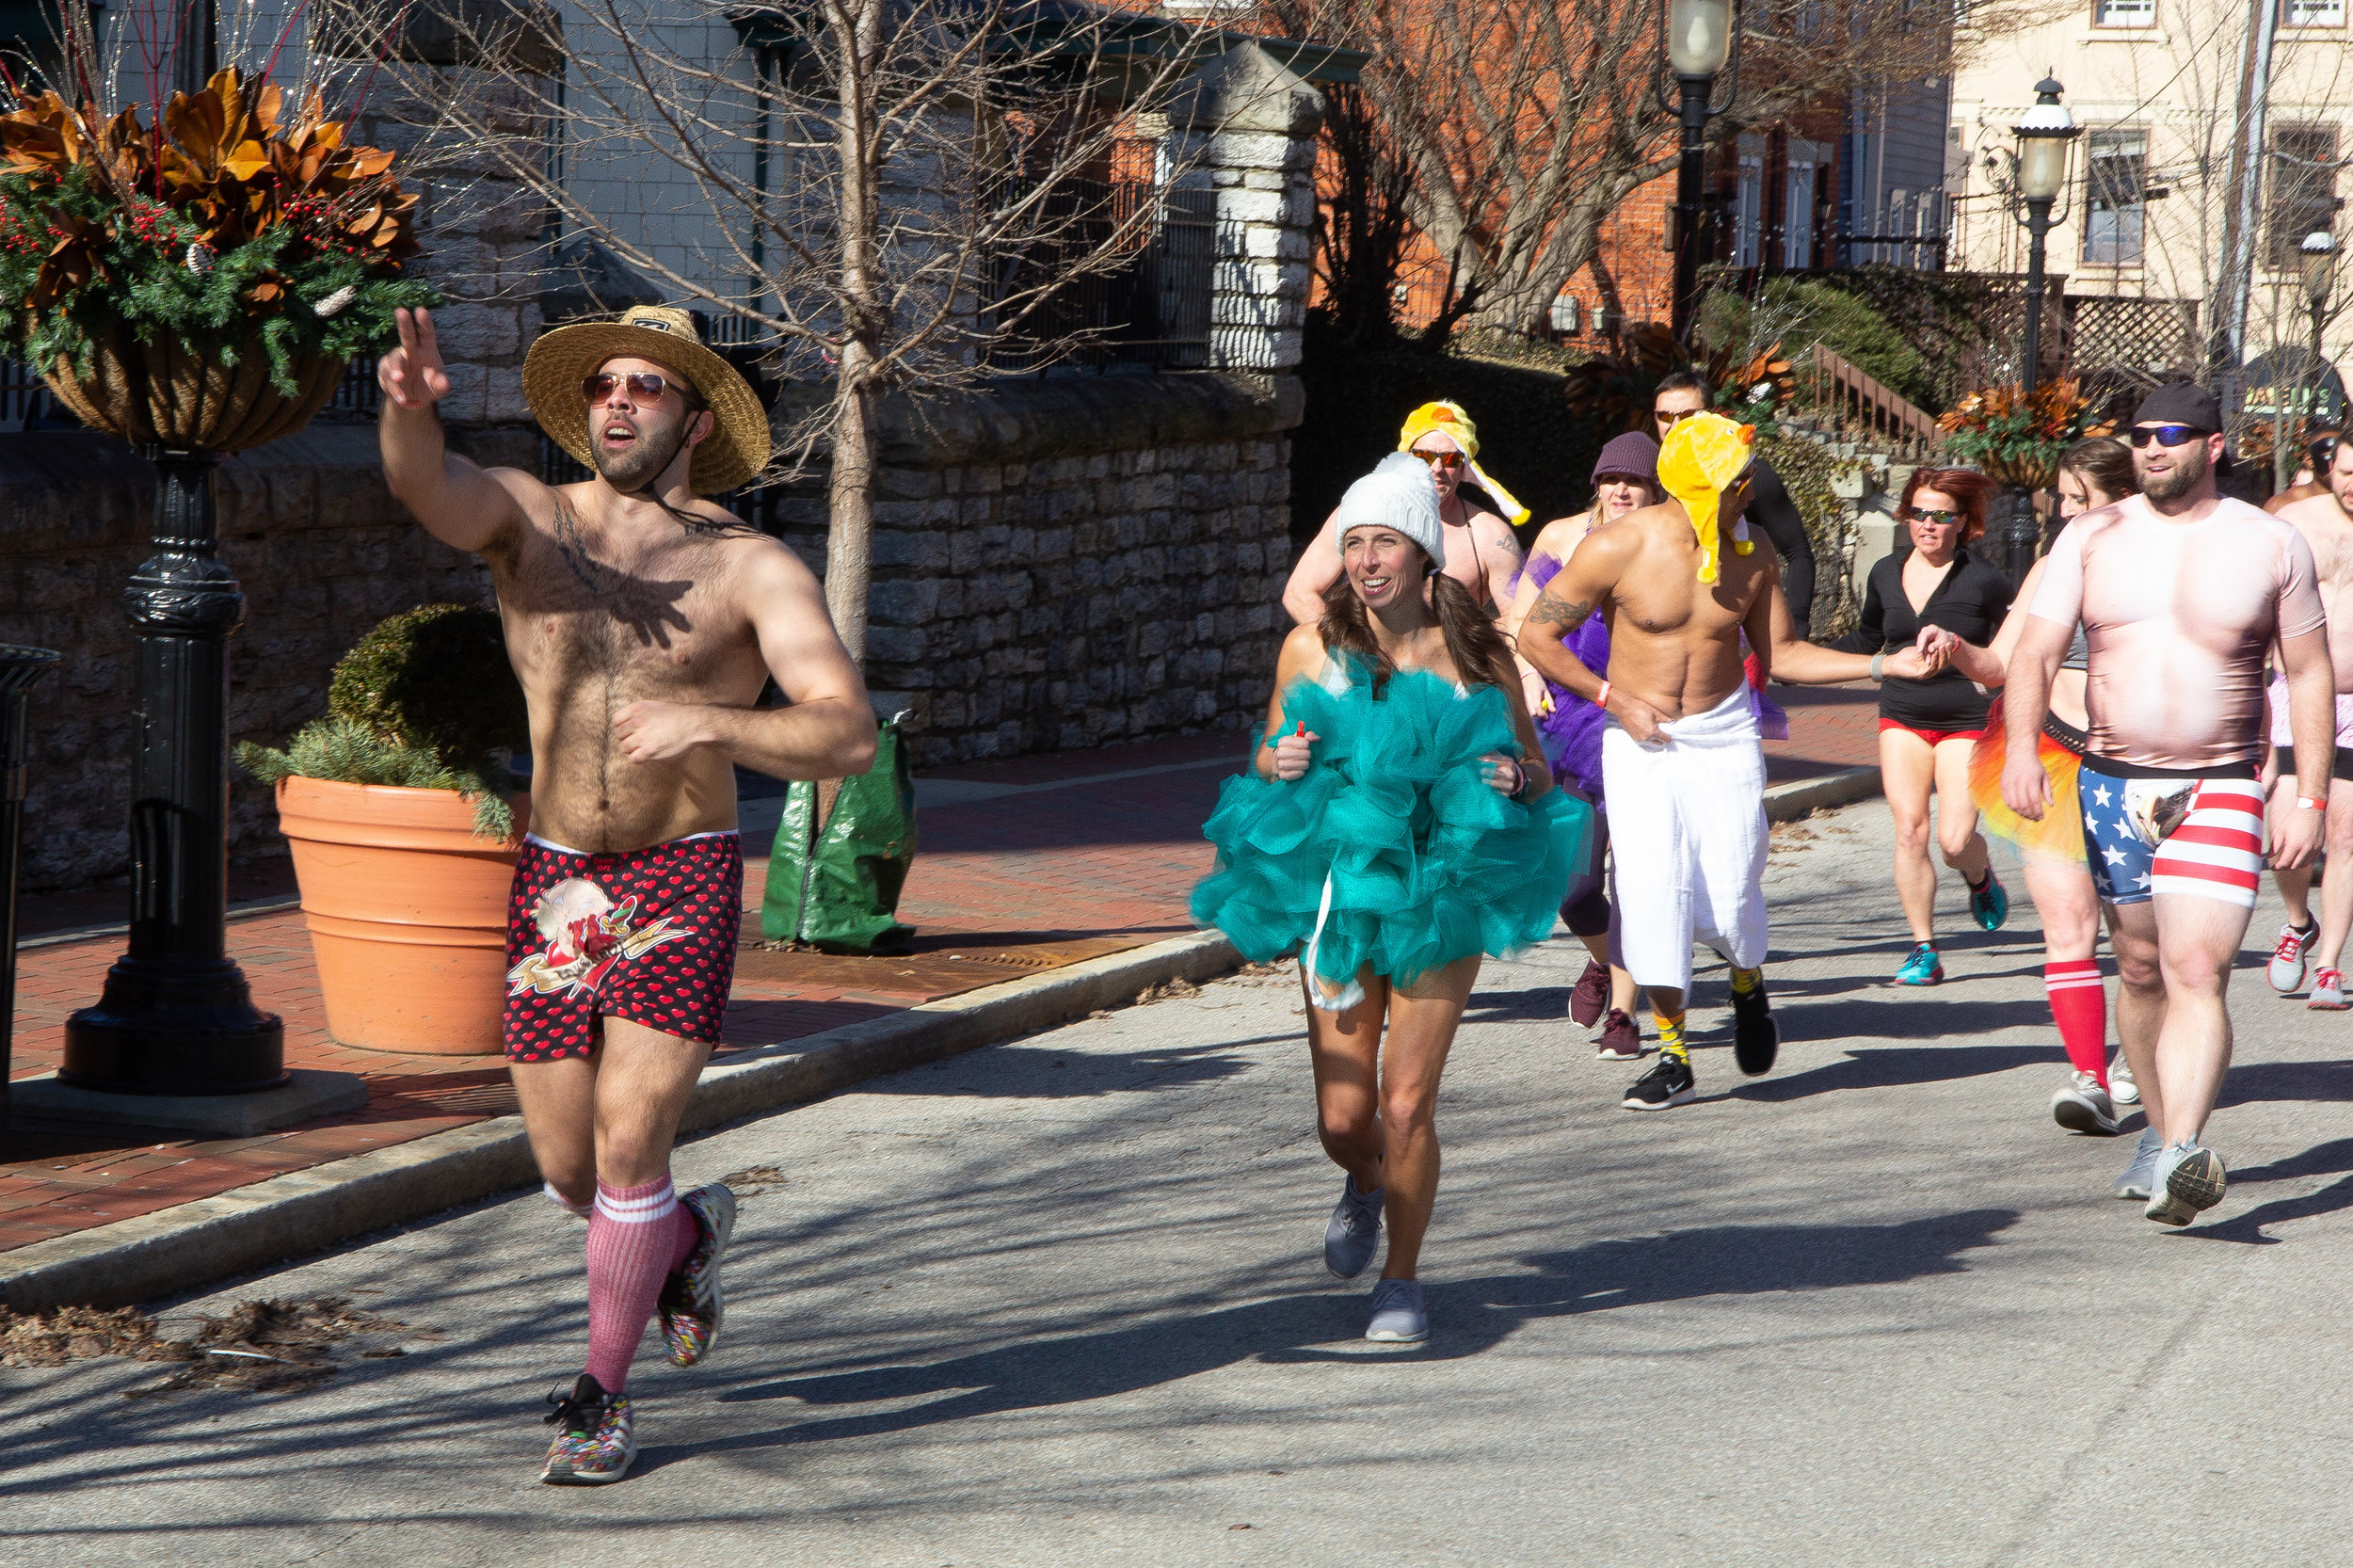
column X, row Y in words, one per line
column 1482, row 552
column 2181, row 592
column 1681, row 756
column 2326, row 520
column 643, row 623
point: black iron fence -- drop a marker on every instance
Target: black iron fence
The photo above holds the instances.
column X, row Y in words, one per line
column 1148, row 311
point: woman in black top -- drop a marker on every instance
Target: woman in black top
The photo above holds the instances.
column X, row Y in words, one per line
column 1927, row 726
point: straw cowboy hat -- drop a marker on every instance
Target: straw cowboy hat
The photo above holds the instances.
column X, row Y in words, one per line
column 737, row 447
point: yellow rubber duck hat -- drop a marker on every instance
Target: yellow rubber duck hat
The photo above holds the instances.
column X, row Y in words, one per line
column 1448, row 420
column 1701, row 454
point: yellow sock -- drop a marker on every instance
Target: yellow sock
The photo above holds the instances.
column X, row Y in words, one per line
column 1671, row 1035
column 1745, row 981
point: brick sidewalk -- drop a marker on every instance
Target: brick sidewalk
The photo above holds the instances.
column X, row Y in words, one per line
column 1045, row 874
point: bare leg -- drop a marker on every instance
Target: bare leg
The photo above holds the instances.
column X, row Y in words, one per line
column 2336, row 883
column 1622, row 986
column 2068, row 908
column 642, row 1081
column 1957, row 833
column 1907, row 769
column 2197, row 940
column 2141, row 999
column 1345, row 1051
column 558, row 1100
column 1422, row 1020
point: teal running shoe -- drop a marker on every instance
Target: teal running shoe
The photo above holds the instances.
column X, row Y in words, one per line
column 1989, row 906
column 1923, row 967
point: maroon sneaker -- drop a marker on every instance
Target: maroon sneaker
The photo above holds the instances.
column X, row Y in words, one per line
column 1592, row 995
column 1620, row 1041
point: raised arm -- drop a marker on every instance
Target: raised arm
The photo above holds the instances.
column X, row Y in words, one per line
column 828, row 729
column 1317, row 568
column 459, row 502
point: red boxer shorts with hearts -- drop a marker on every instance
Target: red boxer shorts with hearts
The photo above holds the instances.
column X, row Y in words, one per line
column 646, row 934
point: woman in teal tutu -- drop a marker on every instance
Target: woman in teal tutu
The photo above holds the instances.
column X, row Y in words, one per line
column 1399, row 824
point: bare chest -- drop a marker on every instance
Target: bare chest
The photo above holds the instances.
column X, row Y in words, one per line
column 658, row 624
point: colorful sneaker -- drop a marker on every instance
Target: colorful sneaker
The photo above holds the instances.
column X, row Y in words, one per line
column 1756, row 1038
column 2286, row 970
column 1353, row 1234
column 1668, row 1083
column 2122, row 1088
column 1399, row 1316
column 691, row 1307
column 1621, row 1039
column 2082, row 1106
column 1923, row 967
column 2328, row 992
column 594, row 1445
column 2142, row 1174
column 1591, row 997
column 1989, row 906
column 2189, row 1180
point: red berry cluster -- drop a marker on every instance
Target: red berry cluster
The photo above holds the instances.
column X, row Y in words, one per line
column 13, row 236
column 150, row 221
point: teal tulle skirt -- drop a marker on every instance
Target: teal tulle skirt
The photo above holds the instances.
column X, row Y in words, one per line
column 1427, row 862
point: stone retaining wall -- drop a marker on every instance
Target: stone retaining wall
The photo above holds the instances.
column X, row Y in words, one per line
column 322, row 550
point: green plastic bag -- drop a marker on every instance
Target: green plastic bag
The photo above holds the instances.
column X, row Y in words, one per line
column 835, row 885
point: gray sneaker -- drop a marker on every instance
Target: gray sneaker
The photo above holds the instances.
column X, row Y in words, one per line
column 2082, row 1106
column 1397, row 1318
column 2141, row 1172
column 2189, row 1180
column 1354, row 1234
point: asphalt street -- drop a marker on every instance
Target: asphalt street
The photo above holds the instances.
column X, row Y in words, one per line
column 1062, row 1301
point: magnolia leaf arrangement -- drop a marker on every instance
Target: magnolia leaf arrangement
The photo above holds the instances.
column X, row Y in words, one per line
column 2017, row 435
column 223, row 226
column 1616, row 388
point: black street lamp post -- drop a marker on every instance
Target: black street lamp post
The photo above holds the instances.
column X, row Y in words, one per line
column 176, row 1017
column 2044, row 137
column 2317, row 259
column 1700, row 38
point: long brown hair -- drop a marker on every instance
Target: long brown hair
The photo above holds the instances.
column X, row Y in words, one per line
column 1471, row 638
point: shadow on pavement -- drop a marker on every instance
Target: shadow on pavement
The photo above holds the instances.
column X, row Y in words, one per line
column 2257, row 1081
column 2321, row 1160
column 1898, row 1066
column 1470, row 1316
column 1029, row 1072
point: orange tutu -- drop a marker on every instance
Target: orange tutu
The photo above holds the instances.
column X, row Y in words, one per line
column 2059, row 836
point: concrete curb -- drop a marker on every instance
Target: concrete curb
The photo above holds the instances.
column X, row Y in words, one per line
column 1789, row 802
column 175, row 1250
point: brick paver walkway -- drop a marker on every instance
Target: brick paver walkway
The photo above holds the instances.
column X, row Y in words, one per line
column 1043, row 872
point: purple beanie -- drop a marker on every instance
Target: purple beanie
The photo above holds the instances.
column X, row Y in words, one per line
column 1632, row 453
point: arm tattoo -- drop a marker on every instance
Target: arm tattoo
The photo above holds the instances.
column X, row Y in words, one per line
column 1548, row 610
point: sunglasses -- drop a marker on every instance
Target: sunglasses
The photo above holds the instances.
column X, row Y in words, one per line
column 644, row 387
column 1441, row 459
column 1939, row 517
column 2168, row 434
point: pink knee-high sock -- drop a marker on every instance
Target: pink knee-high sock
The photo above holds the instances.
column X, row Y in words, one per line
column 2079, row 1005
column 637, row 1237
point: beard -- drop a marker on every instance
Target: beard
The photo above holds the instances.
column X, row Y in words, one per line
column 2188, row 471
column 642, row 461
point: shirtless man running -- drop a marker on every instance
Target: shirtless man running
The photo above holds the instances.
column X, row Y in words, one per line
column 1482, row 552
column 2181, row 592
column 2326, row 520
column 643, row 623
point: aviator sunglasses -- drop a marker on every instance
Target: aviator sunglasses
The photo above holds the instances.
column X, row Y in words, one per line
column 1937, row 516
column 2168, row 434
column 644, row 387
column 1441, row 459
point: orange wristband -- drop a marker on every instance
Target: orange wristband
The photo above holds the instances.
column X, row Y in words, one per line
column 1602, row 700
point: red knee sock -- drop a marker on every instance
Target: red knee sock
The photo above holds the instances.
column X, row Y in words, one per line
column 637, row 1239
column 2079, row 1005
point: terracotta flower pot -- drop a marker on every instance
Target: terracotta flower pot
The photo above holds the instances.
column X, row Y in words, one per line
column 408, row 913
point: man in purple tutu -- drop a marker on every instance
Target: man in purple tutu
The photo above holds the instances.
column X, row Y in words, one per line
column 1625, row 479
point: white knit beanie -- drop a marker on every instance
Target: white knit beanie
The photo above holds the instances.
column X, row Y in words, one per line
column 1398, row 494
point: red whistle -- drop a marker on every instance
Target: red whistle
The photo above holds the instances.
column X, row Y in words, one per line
column 1301, row 733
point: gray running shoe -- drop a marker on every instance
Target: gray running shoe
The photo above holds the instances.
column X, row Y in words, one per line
column 2141, row 1172
column 2189, row 1180
column 2082, row 1106
column 1397, row 1318
column 1354, row 1234
column 2122, row 1088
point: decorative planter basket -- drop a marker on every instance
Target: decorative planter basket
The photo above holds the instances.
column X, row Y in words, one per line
column 160, row 395
column 2024, row 473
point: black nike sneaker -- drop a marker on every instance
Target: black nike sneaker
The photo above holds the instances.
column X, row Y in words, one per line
column 1668, row 1084
column 1756, row 1038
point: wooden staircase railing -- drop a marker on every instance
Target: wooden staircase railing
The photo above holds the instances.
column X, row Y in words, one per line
column 1861, row 407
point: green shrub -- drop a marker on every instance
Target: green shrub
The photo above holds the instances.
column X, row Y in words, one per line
column 1358, row 396
column 1804, row 312
column 426, row 701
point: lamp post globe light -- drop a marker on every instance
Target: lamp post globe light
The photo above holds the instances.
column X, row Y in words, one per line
column 1700, row 35
column 2317, row 259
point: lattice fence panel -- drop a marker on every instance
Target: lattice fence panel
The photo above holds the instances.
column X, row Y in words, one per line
column 2120, row 348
